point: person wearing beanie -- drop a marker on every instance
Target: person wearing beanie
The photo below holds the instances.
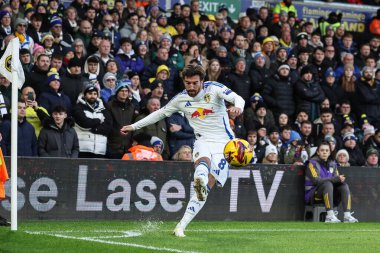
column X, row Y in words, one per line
column 323, row 182
column 278, row 92
column 342, row 157
column 372, row 158
column 368, row 96
column 308, row 93
column 373, row 142
column 93, row 123
column 356, row 155
column 259, row 73
column 62, row 40
column 123, row 111
column 48, row 44
column 295, row 151
column 142, row 149
column 271, row 155
column 19, row 28
column 5, row 24
column 281, row 57
column 239, row 80
column 127, row 59
column 164, row 27
column 54, row 96
column 274, row 137
column 332, row 89
column 109, row 81
column 73, row 80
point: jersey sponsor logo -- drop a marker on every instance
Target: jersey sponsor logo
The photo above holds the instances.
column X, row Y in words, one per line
column 201, row 113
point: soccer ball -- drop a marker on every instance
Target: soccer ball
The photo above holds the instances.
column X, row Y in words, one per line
column 238, row 153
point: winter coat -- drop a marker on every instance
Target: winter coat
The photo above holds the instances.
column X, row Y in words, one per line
column 49, row 99
column 334, row 93
column 241, row 85
column 278, row 94
column 356, row 156
column 58, row 142
column 36, row 79
column 251, row 122
column 93, row 125
column 185, row 136
column 308, row 96
column 72, row 86
column 122, row 113
column 369, row 100
column 26, row 138
column 130, row 62
column 259, row 77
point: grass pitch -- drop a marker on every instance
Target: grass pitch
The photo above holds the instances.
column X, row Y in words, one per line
column 155, row 236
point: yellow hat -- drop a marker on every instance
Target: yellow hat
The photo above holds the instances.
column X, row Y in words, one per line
column 211, row 17
column 268, row 39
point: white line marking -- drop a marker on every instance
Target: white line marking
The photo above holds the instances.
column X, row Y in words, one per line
column 280, row 230
column 94, row 239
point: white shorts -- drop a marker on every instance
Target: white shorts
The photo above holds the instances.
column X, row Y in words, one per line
column 213, row 151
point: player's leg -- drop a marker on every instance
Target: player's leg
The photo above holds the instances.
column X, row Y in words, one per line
column 342, row 194
column 203, row 183
column 325, row 191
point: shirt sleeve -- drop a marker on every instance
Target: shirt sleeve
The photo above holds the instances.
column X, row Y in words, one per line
column 230, row 96
column 152, row 118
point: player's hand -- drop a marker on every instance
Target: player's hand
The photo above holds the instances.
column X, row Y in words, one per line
column 342, row 178
column 126, row 129
column 235, row 110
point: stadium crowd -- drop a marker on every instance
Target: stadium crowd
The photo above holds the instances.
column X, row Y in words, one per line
column 91, row 69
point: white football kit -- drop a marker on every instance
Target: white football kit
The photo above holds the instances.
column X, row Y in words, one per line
column 207, row 115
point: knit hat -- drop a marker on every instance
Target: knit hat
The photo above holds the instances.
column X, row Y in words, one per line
column 301, row 36
column 284, row 66
column 211, row 17
column 156, row 83
column 37, row 47
column 204, row 18
column 131, row 74
column 256, row 98
column 74, row 62
column 89, row 88
column 239, row 60
column 29, row 8
column 107, row 76
column 225, row 29
column 142, row 139
column 349, row 136
column 269, row 149
column 259, row 55
column 53, row 75
column 330, row 138
column 306, row 69
column 372, row 151
column 47, row 36
column 273, row 129
column 266, row 40
column 290, row 56
column 163, row 68
column 97, row 33
column 154, row 141
column 4, row 13
column 19, row 21
column 364, row 119
column 55, row 21
column 221, row 48
column 342, row 151
column 120, row 84
column 330, row 72
column 222, row 7
column 166, row 36
column 369, row 129
column 259, row 105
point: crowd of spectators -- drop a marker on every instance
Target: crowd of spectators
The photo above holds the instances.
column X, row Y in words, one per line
column 91, row 69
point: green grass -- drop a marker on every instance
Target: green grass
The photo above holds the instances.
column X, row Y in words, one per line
column 155, row 236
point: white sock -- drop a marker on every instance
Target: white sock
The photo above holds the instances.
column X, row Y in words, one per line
column 330, row 213
column 192, row 209
column 202, row 171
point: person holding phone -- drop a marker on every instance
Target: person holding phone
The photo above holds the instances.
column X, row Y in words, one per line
column 35, row 114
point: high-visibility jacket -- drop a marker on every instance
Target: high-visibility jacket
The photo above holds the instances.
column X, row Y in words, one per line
column 140, row 152
column 374, row 26
column 323, row 26
column 282, row 7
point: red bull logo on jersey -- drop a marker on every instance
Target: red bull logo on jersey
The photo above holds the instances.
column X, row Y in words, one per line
column 201, row 113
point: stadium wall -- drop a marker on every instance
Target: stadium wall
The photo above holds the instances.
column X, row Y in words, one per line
column 130, row 190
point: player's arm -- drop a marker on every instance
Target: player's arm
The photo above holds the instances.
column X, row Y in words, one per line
column 152, row 118
column 230, row 96
column 313, row 173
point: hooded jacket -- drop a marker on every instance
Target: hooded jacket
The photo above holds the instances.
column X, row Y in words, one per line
column 129, row 62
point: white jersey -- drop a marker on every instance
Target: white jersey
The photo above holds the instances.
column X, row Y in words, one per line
column 207, row 113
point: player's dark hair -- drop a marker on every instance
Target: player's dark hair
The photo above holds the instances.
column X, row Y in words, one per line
column 194, row 70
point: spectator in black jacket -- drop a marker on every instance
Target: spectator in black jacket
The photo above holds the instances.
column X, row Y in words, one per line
column 356, row 155
column 308, row 93
column 239, row 81
column 258, row 73
column 278, row 93
column 332, row 90
column 58, row 137
column 73, row 81
column 37, row 76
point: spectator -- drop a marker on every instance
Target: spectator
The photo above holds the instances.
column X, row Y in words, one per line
column 54, row 95
column 214, row 72
column 294, row 152
column 5, row 21
column 373, row 142
column 283, row 6
column 372, row 158
column 180, row 132
column 135, row 87
column 127, row 59
column 130, row 28
column 356, row 155
column 250, row 117
column 58, row 137
column 26, row 60
column 258, row 73
column 239, row 80
column 142, row 149
column 274, row 137
column 278, row 92
column 322, row 179
column 37, row 76
column 91, row 70
column 19, row 26
column 73, row 81
column 122, row 111
column 84, row 32
column 257, row 149
column 374, row 26
column 271, row 155
column 283, row 120
column 109, row 81
column 307, row 138
column 347, row 61
column 184, row 153
column 26, row 137
column 236, row 124
column 34, row 113
column 93, row 124
column 308, row 93
column 332, row 90
column 342, row 157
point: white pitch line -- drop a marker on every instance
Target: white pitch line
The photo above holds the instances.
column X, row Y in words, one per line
column 91, row 239
column 280, row 230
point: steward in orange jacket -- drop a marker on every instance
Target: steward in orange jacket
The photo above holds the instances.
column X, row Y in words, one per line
column 140, row 152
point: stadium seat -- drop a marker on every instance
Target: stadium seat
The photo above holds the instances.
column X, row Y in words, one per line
column 318, row 212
